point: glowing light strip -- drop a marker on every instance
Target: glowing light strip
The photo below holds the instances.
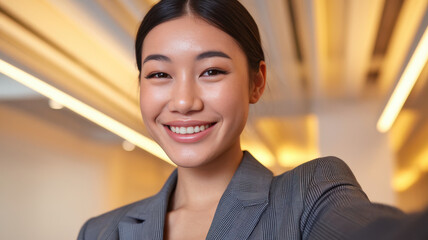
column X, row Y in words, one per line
column 84, row 110
column 405, row 85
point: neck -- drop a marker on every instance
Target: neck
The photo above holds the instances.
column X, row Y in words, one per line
column 202, row 187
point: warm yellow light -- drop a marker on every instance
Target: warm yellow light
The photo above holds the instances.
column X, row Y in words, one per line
column 83, row 109
column 291, row 157
column 422, row 160
column 403, row 126
column 404, row 179
column 405, row 85
column 153, row 2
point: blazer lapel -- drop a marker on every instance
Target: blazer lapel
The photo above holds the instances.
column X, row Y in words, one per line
column 146, row 221
column 243, row 202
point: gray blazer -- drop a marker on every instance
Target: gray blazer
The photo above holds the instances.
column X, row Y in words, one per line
column 318, row 200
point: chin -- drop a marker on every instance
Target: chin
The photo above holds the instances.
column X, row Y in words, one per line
column 189, row 159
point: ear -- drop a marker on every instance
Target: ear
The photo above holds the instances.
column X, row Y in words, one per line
column 259, row 83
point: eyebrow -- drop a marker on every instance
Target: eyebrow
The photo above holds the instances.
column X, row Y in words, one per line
column 210, row 54
column 157, row 57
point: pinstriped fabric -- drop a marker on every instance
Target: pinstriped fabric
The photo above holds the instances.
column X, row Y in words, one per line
column 318, row 200
column 242, row 204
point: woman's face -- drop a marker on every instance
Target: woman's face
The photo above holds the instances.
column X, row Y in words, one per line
column 194, row 90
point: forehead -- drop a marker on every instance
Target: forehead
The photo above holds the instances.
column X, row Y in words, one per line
column 190, row 35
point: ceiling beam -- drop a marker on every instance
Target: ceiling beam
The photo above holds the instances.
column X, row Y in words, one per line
column 127, row 17
column 363, row 18
column 279, row 44
column 311, row 25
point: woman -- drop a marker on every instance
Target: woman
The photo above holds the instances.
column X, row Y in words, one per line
column 201, row 64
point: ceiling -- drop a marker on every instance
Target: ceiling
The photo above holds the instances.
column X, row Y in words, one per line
column 317, row 51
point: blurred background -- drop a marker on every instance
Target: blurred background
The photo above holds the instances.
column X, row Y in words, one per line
column 73, row 145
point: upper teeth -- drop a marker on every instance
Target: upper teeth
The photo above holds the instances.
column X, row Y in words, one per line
column 189, row 130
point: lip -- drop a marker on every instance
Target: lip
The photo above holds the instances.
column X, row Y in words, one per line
column 188, row 138
column 187, row 123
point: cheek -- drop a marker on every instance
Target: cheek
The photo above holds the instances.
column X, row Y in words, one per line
column 232, row 99
column 151, row 100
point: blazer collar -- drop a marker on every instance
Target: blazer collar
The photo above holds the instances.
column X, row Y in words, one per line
column 241, row 205
column 251, row 181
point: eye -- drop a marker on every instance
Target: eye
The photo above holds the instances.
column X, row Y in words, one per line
column 158, row 75
column 213, row 72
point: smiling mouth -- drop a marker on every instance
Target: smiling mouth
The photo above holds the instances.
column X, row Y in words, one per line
column 190, row 129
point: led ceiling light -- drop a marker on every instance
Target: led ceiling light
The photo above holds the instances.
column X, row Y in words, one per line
column 405, row 85
column 83, row 109
column 55, row 105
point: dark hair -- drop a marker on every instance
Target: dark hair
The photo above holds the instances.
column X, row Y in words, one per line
column 228, row 15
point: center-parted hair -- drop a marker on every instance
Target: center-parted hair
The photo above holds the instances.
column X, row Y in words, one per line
column 227, row 15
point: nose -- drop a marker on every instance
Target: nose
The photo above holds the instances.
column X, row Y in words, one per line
column 185, row 97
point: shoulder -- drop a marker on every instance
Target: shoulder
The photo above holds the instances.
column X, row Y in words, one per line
column 310, row 183
column 330, row 169
column 331, row 166
column 326, row 171
column 106, row 224
column 332, row 202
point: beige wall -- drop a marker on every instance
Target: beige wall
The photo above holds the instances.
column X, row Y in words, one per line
column 52, row 180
